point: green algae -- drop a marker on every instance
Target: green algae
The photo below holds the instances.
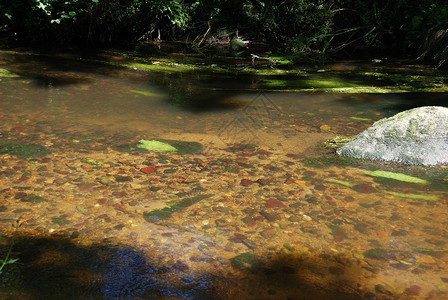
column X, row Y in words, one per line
column 309, row 83
column 7, row 74
column 414, row 196
column 325, row 162
column 59, row 220
column 245, row 261
column 184, row 147
column 91, row 161
column 145, row 93
column 341, row 182
column 156, row 146
column 34, row 198
column 22, row 149
column 160, row 214
column 430, row 251
column 377, row 253
column 396, row 176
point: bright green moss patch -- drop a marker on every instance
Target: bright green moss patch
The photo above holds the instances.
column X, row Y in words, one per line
column 396, row 176
column 7, row 74
column 159, row 214
column 155, row 146
column 21, row 149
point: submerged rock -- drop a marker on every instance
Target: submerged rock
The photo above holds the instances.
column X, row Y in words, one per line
column 416, row 136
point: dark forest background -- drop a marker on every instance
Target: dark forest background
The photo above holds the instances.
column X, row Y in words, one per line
column 398, row 28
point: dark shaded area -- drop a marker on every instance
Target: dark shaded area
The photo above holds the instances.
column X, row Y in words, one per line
column 58, row 268
column 344, row 28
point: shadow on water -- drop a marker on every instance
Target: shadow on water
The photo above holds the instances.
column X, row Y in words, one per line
column 57, row 268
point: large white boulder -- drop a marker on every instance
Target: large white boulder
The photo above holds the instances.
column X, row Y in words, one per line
column 415, row 136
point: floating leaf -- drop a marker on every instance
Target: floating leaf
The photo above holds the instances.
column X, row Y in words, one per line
column 415, row 197
column 396, row 176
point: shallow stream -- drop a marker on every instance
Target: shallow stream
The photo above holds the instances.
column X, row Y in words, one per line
column 255, row 204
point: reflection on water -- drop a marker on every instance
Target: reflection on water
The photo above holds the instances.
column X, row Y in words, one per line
column 263, row 212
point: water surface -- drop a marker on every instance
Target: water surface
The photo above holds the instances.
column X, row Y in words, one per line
column 263, row 211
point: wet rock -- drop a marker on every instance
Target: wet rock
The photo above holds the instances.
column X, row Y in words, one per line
column 245, row 261
column 384, row 289
column 416, row 136
column 148, row 170
column 268, row 233
column 413, row 290
column 246, row 182
column 364, row 188
column 336, row 270
column 120, row 178
column 274, row 203
column 271, row 217
column 264, row 181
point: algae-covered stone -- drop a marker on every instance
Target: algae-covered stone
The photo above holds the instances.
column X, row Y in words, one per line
column 416, row 136
column 237, row 44
column 21, row 149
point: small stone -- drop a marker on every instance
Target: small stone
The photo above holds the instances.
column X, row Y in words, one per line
column 123, row 178
column 148, row 170
column 268, row 233
column 413, row 290
column 384, row 289
column 246, row 182
column 336, row 270
column 263, row 181
column 60, row 181
column 364, row 188
column 270, row 217
column 274, row 203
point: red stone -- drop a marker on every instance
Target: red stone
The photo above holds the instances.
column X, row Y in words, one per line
column 119, row 193
column 148, row 170
column 246, row 182
column 274, row 203
column 413, row 290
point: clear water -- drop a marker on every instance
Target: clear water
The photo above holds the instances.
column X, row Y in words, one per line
column 282, row 218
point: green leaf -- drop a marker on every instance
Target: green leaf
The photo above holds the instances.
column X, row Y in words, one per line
column 95, row 1
column 72, row 13
column 396, row 176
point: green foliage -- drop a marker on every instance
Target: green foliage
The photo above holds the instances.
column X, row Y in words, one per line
column 297, row 26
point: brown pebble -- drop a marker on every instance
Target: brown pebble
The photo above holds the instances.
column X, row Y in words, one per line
column 268, row 233
column 336, row 270
column 413, row 290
